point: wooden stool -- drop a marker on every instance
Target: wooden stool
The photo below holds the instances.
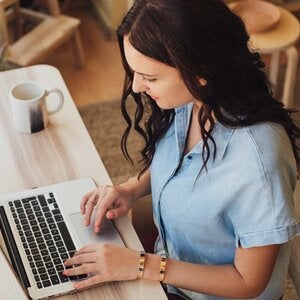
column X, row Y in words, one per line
column 281, row 38
column 40, row 42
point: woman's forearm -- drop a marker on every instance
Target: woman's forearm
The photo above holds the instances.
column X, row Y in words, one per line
column 246, row 278
column 139, row 187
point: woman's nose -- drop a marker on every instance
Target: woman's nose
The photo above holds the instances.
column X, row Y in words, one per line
column 138, row 84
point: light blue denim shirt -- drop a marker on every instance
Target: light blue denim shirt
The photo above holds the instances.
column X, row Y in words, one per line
column 244, row 199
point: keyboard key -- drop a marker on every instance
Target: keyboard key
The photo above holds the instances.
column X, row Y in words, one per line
column 36, row 208
column 50, row 220
column 57, row 238
column 31, row 217
column 37, row 278
column 44, row 276
column 58, row 218
column 33, row 222
column 42, row 246
column 47, row 237
column 43, row 225
column 59, row 244
column 35, row 251
column 29, row 211
column 52, row 249
column 41, row 219
column 30, row 239
column 26, row 227
column 62, row 250
column 50, row 243
column 32, row 245
column 26, row 200
column 39, row 264
column 46, row 209
column 35, row 228
column 42, row 200
column 40, row 240
column 66, row 236
column 37, row 234
column 39, row 285
column 54, row 231
column 52, row 226
column 24, row 222
column 57, row 261
column 17, row 203
column 64, row 256
column 48, row 215
column 49, row 265
column 46, row 258
column 37, row 257
column 59, row 267
column 62, row 277
column 51, row 271
column 54, row 255
column 54, row 279
column 41, row 270
column 46, row 283
column 28, row 233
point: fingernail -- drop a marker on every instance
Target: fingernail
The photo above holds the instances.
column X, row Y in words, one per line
column 76, row 286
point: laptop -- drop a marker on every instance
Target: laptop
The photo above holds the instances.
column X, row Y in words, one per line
column 42, row 227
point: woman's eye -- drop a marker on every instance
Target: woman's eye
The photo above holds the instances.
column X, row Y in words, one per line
column 148, row 79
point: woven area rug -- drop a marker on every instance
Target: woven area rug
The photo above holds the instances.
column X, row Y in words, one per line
column 105, row 125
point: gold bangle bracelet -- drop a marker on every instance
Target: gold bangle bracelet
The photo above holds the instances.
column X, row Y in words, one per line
column 162, row 267
column 141, row 265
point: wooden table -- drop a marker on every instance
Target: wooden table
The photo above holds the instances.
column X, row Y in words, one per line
column 63, row 151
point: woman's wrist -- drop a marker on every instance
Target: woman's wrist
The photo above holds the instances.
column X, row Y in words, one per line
column 135, row 188
column 151, row 267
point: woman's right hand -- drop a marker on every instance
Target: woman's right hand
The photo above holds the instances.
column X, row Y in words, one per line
column 106, row 201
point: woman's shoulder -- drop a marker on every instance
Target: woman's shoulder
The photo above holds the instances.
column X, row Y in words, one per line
column 265, row 143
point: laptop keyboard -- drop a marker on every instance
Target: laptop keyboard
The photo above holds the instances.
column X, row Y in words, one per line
column 45, row 238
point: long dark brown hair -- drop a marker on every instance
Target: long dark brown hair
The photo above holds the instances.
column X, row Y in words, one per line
column 201, row 39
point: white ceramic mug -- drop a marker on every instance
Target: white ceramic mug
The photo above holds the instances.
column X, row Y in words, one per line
column 29, row 106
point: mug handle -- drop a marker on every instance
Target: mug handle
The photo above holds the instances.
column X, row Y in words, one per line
column 60, row 100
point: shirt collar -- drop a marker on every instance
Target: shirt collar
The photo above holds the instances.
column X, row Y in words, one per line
column 221, row 133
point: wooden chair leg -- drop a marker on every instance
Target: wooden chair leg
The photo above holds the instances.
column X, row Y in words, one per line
column 77, row 50
column 290, row 76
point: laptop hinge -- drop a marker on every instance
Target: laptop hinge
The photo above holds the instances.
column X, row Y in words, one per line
column 12, row 248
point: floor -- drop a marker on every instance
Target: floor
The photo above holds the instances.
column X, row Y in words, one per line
column 102, row 77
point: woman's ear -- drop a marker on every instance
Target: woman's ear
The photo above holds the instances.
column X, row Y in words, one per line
column 202, row 81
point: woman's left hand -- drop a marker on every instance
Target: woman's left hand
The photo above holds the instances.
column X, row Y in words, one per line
column 104, row 262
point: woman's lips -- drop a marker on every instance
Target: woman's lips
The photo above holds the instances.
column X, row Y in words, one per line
column 154, row 97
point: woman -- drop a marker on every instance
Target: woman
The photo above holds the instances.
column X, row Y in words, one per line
column 220, row 158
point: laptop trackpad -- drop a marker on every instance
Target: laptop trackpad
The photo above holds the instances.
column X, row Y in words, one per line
column 87, row 235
